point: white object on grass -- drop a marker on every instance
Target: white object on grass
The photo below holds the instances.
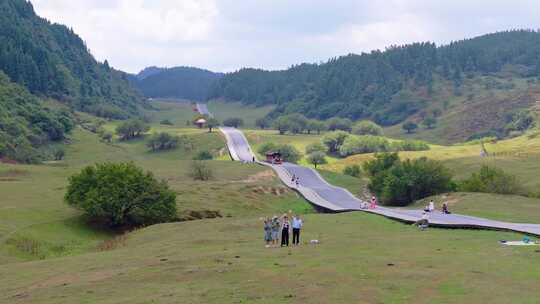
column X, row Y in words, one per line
column 519, row 243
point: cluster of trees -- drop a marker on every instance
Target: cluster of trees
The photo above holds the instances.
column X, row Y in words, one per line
column 399, row 183
column 491, row 180
column 121, row 195
column 179, row 82
column 163, row 141
column 297, row 123
column 288, row 152
column 428, row 122
column 233, row 122
column 26, row 124
column 132, row 128
column 344, row 144
column 366, row 85
column 51, row 60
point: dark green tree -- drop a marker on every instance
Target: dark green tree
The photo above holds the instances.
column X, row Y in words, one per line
column 121, row 194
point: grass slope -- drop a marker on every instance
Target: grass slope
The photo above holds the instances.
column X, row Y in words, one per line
column 223, row 110
column 35, row 223
column 362, row 258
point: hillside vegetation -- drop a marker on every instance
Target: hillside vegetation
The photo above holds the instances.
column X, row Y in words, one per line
column 51, row 60
column 47, row 64
column 485, row 78
column 179, row 82
column 26, row 124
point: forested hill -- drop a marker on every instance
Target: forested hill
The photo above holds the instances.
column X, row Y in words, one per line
column 386, row 86
column 179, row 82
column 51, row 60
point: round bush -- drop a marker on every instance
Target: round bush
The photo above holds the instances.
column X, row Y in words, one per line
column 121, row 194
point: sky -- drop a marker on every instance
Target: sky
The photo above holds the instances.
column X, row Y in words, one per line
column 226, row 35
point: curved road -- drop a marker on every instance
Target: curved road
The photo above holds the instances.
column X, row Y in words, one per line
column 316, row 190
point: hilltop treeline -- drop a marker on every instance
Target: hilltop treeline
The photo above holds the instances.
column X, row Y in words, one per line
column 367, row 85
column 51, row 60
column 179, row 82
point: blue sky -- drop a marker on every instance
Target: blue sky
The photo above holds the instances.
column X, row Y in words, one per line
column 226, row 35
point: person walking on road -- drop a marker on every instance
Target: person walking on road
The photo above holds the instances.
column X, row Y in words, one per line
column 285, row 231
column 296, row 227
column 275, row 230
column 373, row 204
column 297, row 182
column 431, row 206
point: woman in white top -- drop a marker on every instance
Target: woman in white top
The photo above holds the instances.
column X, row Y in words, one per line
column 431, row 206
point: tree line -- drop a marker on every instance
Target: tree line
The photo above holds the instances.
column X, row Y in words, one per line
column 366, row 86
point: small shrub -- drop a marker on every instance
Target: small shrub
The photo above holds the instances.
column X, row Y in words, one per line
column 59, row 154
column 163, row 141
column 352, row 170
column 191, row 215
column 203, row 155
column 409, row 145
column 166, row 122
column 491, row 180
column 367, row 127
column 107, row 136
column 200, row 170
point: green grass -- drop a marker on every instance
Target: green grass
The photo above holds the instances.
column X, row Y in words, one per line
column 35, row 223
column 361, row 258
column 178, row 112
column 49, row 254
column 223, row 110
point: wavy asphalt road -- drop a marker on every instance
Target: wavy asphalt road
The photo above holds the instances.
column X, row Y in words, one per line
column 316, row 190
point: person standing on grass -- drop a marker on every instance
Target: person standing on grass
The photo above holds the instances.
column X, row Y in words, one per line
column 285, row 231
column 267, row 232
column 296, row 226
column 275, row 230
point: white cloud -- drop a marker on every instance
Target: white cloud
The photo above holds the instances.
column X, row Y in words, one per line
column 225, row 35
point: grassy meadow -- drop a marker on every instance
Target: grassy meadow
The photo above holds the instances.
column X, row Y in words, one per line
column 49, row 253
column 223, row 110
column 361, row 258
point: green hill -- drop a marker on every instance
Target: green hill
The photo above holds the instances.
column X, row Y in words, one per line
column 474, row 83
column 44, row 63
column 51, row 60
column 179, row 82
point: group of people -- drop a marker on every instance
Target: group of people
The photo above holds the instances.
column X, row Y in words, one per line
column 295, row 180
column 275, row 226
column 424, row 221
column 371, row 205
column 431, row 207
